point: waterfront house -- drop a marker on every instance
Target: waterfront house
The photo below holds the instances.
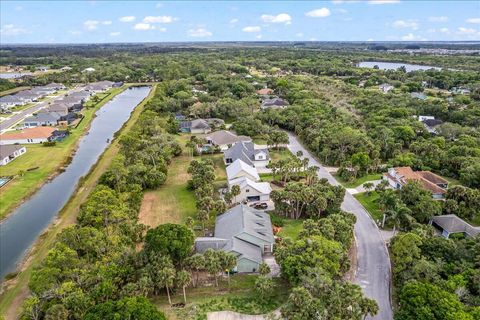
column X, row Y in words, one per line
column 8, row 153
column 243, row 231
column 42, row 119
column 399, row 176
column 27, row 136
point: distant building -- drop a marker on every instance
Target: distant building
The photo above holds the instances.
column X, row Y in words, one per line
column 265, row 92
column 42, row 68
column 385, row 87
column 399, row 176
column 274, row 103
column 429, row 122
column 99, row 86
column 246, row 152
column 88, row 70
column 8, row 153
column 418, row 95
column 42, row 119
column 60, row 108
column 66, row 68
column 27, row 136
column 195, row 126
column 11, row 101
column 451, row 224
column 243, row 231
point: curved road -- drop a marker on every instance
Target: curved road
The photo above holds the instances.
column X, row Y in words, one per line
column 373, row 270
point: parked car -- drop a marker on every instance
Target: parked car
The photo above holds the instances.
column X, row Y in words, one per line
column 261, row 206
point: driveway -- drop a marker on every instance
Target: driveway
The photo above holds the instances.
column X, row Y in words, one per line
column 373, row 265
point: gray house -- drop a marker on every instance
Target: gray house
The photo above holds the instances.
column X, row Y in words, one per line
column 42, row 119
column 195, row 126
column 274, row 103
column 450, row 224
column 246, row 152
column 243, row 231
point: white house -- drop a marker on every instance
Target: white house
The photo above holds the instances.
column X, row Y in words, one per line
column 88, row 70
column 250, row 190
column 27, row 136
column 240, row 169
column 10, row 153
column 385, row 87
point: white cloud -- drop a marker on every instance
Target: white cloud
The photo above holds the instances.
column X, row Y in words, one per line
column 405, row 24
column 159, row 5
column 383, row 1
column 252, row 29
column 76, row 32
column 467, row 31
column 318, row 13
column 115, row 34
column 127, row 19
column 473, row 20
column 199, row 33
column 370, row 39
column 412, row 37
column 159, row 19
column 300, row 34
column 344, row 1
column 279, row 18
column 438, row 19
column 259, row 37
column 12, row 30
column 93, row 24
column 444, row 30
column 143, row 26
column 234, row 21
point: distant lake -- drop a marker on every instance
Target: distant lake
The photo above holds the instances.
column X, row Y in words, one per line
column 13, row 75
column 395, row 65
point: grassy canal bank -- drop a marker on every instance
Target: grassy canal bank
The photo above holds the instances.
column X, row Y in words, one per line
column 40, row 164
column 16, row 289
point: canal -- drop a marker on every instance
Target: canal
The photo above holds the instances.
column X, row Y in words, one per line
column 20, row 230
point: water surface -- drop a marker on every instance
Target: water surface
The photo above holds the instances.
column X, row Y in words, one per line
column 395, row 65
column 27, row 222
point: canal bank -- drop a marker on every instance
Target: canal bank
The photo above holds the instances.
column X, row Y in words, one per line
column 49, row 162
column 17, row 289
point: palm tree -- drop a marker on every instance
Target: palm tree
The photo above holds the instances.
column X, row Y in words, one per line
column 396, row 215
column 183, row 279
column 167, row 278
column 235, row 190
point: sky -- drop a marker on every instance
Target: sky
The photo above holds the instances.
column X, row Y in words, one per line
column 180, row 21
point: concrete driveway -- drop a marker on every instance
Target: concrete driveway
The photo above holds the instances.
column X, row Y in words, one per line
column 374, row 271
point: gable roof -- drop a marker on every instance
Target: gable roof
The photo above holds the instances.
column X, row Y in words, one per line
column 453, row 224
column 44, row 117
column 237, row 166
column 8, row 150
column 244, row 219
column 30, row 133
column 243, row 182
column 195, row 124
column 427, row 179
column 275, row 102
column 264, row 91
column 222, row 137
column 244, row 151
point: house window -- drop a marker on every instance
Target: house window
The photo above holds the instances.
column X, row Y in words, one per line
column 247, row 190
column 229, row 160
column 260, row 157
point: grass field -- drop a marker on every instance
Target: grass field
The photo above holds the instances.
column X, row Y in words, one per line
column 280, row 154
column 238, row 297
column 370, row 203
column 358, row 182
column 48, row 160
column 291, row 228
column 13, row 296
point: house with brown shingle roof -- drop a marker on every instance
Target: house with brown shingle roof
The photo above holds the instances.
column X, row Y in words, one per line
column 399, row 176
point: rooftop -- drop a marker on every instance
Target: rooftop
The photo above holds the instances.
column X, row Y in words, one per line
column 30, row 133
column 453, row 224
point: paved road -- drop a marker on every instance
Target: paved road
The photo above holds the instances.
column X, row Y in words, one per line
column 373, row 270
column 17, row 117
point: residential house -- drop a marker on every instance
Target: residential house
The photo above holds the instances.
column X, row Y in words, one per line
column 60, row 108
column 224, row 139
column 42, row 119
column 42, row 68
column 117, row 84
column 11, row 101
column 385, row 87
column 90, row 69
column 243, row 231
column 99, row 86
column 265, row 92
column 418, row 95
column 195, row 126
column 215, row 122
column 451, row 224
column 250, row 190
column 59, row 135
column 429, row 122
column 239, row 169
column 29, row 135
column 399, row 176
column 246, row 152
column 66, row 68
column 274, row 103
column 65, row 120
column 54, row 86
column 9, row 153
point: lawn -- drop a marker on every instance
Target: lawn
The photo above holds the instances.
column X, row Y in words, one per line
column 238, row 297
column 47, row 161
column 280, row 154
column 370, row 204
column 291, row 228
column 358, row 182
